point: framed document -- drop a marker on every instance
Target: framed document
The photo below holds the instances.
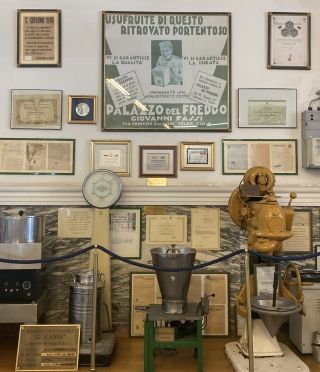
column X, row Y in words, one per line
column 205, row 228
column 289, row 41
column 267, row 108
column 301, row 240
column 37, row 156
column 280, row 156
column 157, row 161
column 112, row 154
column 36, row 109
column 317, row 250
column 166, row 71
column 39, row 38
column 82, row 109
column 196, row 156
column 166, row 229
column 125, row 232
column 144, row 290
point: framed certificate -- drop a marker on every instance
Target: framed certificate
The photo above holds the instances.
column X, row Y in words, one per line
column 36, row 109
column 196, row 156
column 82, row 109
column 113, row 154
column 267, row 108
column 166, row 71
column 158, row 161
column 289, row 41
column 39, row 38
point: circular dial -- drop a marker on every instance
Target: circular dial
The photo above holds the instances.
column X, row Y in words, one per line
column 102, row 188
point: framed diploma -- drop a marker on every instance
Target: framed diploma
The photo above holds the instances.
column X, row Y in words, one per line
column 157, row 161
column 301, row 240
column 166, row 71
column 289, row 41
column 82, row 109
column 39, row 38
column 267, row 108
column 37, row 156
column 196, row 156
column 280, row 156
column 112, row 154
column 36, row 109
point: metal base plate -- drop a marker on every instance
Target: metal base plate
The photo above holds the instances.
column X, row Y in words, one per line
column 104, row 351
column 289, row 362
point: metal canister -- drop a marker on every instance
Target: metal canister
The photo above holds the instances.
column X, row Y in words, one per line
column 316, row 346
column 80, row 304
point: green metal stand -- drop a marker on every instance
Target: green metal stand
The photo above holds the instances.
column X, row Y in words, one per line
column 194, row 340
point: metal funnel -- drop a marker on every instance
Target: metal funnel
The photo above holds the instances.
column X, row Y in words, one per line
column 174, row 286
column 274, row 316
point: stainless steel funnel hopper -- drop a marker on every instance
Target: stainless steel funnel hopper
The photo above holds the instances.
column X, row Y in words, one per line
column 174, row 286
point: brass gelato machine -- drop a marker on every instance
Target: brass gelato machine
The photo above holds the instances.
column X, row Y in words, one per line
column 21, row 285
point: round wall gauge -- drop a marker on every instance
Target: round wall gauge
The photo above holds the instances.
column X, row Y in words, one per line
column 102, row 188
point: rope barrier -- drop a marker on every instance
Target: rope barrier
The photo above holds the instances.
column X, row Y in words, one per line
column 264, row 257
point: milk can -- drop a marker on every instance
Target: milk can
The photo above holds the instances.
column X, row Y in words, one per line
column 80, row 304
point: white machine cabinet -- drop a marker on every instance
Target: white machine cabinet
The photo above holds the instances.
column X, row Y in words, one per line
column 301, row 327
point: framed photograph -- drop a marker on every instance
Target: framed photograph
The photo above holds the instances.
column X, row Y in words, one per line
column 82, row 109
column 113, row 154
column 317, row 250
column 279, row 155
column 166, row 71
column 158, row 161
column 267, row 108
column 39, row 38
column 301, row 240
column 36, row 109
column 289, row 40
column 125, row 231
column 37, row 156
column 196, row 156
column 144, row 290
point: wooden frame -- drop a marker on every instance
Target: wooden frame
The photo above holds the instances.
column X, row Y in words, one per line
column 279, row 155
column 289, row 40
column 37, row 156
column 169, row 77
column 82, row 109
column 157, row 161
column 267, row 108
column 39, row 38
column 36, row 109
column 197, row 156
column 111, row 154
column 206, row 282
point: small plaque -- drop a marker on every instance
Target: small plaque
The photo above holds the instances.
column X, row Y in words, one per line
column 48, row 348
column 156, row 181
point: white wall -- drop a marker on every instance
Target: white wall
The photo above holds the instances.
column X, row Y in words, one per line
column 81, row 73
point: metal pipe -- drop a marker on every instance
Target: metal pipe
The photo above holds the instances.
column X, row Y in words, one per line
column 249, row 322
column 94, row 312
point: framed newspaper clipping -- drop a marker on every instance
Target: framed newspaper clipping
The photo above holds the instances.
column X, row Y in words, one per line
column 37, row 156
column 166, row 71
column 39, row 38
column 279, row 155
column 289, row 41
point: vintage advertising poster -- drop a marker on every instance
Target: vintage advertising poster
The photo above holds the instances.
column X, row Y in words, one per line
column 39, row 38
column 166, row 71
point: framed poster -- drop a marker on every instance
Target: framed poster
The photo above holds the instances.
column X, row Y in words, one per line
column 166, row 71
column 111, row 154
column 39, row 38
column 82, row 109
column 289, row 40
column 267, row 108
column 157, row 161
column 144, row 290
column 196, row 156
column 37, row 156
column 301, row 240
column 36, row 109
column 280, row 156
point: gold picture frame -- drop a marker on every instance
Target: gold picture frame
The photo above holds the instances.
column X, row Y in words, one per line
column 197, row 156
column 114, row 155
column 82, row 109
